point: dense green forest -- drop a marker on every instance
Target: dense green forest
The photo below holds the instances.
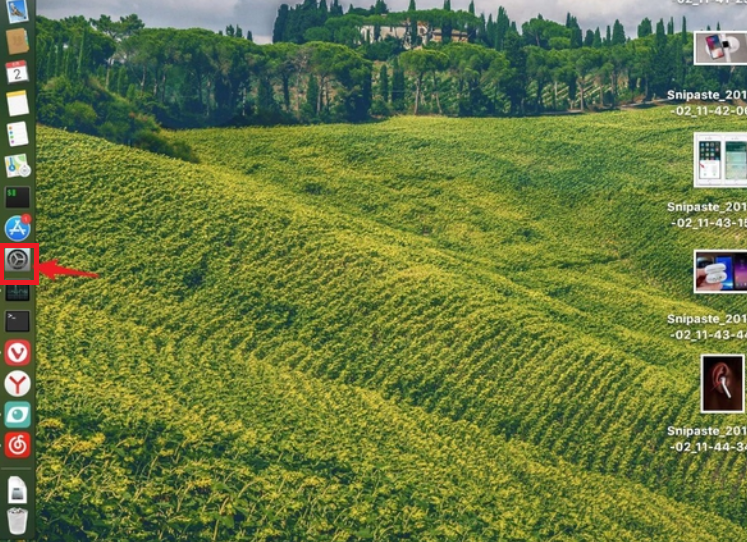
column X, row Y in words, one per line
column 122, row 81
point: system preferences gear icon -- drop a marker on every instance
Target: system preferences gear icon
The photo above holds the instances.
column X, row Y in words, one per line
column 17, row 259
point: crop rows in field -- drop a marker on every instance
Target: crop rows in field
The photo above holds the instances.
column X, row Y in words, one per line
column 579, row 228
column 138, row 447
column 259, row 273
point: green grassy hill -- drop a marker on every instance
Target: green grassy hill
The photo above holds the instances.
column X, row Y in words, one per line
column 424, row 329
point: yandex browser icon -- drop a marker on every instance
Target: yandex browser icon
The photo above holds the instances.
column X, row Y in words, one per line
column 17, row 384
column 17, row 352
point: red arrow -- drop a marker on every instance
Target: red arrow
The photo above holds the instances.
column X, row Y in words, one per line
column 51, row 269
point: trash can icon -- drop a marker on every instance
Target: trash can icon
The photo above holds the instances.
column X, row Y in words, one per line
column 17, row 519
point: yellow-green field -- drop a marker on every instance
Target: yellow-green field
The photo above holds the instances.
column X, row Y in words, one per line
column 423, row 329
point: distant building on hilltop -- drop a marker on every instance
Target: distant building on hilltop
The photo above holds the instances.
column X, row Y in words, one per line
column 456, row 36
column 401, row 32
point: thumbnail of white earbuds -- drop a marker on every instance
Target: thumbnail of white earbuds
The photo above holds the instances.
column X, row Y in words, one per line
column 723, row 385
column 715, row 273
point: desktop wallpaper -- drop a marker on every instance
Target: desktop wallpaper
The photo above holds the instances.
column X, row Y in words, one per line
column 404, row 274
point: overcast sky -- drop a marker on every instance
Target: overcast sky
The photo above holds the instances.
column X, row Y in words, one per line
column 259, row 15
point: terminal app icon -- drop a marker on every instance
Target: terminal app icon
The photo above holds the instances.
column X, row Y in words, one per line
column 17, row 197
column 17, row 321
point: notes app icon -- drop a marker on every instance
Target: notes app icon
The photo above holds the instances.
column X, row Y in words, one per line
column 18, row 103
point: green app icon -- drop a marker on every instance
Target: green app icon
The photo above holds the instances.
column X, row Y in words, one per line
column 17, row 414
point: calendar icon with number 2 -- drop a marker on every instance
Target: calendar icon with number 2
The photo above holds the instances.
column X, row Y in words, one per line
column 17, row 72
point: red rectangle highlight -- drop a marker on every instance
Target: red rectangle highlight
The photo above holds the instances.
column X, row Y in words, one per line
column 35, row 250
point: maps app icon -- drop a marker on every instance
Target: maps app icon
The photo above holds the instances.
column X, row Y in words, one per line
column 17, row 166
column 16, row 229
